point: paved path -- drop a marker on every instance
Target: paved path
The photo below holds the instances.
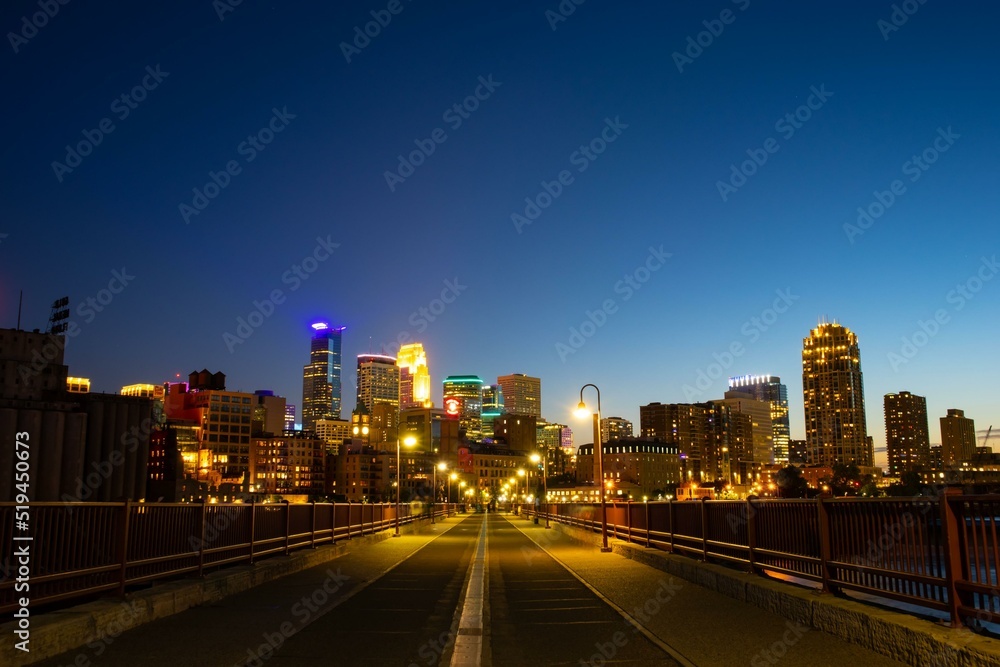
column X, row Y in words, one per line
column 508, row 591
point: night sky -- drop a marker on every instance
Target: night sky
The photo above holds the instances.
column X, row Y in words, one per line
column 676, row 201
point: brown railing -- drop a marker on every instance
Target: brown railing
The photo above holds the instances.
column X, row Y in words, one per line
column 81, row 549
column 940, row 553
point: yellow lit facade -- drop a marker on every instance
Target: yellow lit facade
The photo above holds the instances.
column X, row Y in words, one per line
column 78, row 385
column 833, row 394
column 414, row 377
column 143, row 390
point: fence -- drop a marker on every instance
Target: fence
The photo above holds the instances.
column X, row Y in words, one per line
column 81, row 549
column 939, row 553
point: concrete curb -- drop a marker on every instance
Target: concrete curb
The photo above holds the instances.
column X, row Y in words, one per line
column 909, row 639
column 56, row 632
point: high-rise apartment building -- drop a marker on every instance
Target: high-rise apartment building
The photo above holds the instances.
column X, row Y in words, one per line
column 761, row 440
column 321, row 377
column 958, row 438
column 522, row 394
column 704, row 433
column 414, row 377
column 615, row 428
column 378, row 381
column 834, row 397
column 906, row 435
column 463, row 399
column 769, row 388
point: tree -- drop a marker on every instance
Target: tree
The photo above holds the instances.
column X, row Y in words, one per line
column 790, row 482
column 846, row 479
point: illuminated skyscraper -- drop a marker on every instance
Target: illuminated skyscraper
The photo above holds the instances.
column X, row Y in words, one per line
column 522, row 394
column 378, row 381
column 466, row 403
column 493, row 407
column 834, row 397
column 906, row 435
column 414, row 377
column 769, row 388
column 321, row 389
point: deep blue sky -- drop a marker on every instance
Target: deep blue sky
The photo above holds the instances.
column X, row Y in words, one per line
column 656, row 185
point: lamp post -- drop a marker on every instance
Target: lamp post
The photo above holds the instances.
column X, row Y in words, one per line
column 451, row 478
column 582, row 411
column 409, row 441
column 521, row 473
column 545, row 483
column 442, row 467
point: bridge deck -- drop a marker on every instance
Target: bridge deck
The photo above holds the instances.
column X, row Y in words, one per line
column 401, row 602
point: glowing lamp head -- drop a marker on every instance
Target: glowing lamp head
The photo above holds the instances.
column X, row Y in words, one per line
column 521, row 472
column 535, row 458
column 409, row 441
column 581, row 410
column 454, row 476
column 442, row 466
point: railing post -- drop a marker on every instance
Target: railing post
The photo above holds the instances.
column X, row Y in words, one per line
column 333, row 524
column 751, row 534
column 288, row 526
column 673, row 516
column 312, row 541
column 648, row 527
column 253, row 528
column 628, row 519
column 201, row 537
column 123, row 546
column 704, row 529
column 955, row 566
column 825, row 543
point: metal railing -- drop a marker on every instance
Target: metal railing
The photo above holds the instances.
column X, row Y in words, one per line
column 937, row 552
column 82, row 549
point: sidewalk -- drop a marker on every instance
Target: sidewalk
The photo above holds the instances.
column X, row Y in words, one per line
column 257, row 619
column 705, row 627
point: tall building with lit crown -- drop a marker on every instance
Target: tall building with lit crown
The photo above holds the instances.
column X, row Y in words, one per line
column 834, row 397
column 615, row 428
column 463, row 399
column 414, row 377
column 522, row 394
column 321, row 381
column 958, row 438
column 769, row 388
column 906, row 435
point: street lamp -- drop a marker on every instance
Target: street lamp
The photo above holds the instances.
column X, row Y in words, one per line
column 545, row 484
column 582, row 411
column 409, row 441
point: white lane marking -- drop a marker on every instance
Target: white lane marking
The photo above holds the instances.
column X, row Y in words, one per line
column 468, row 650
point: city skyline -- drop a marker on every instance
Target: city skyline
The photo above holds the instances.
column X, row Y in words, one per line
column 518, row 197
